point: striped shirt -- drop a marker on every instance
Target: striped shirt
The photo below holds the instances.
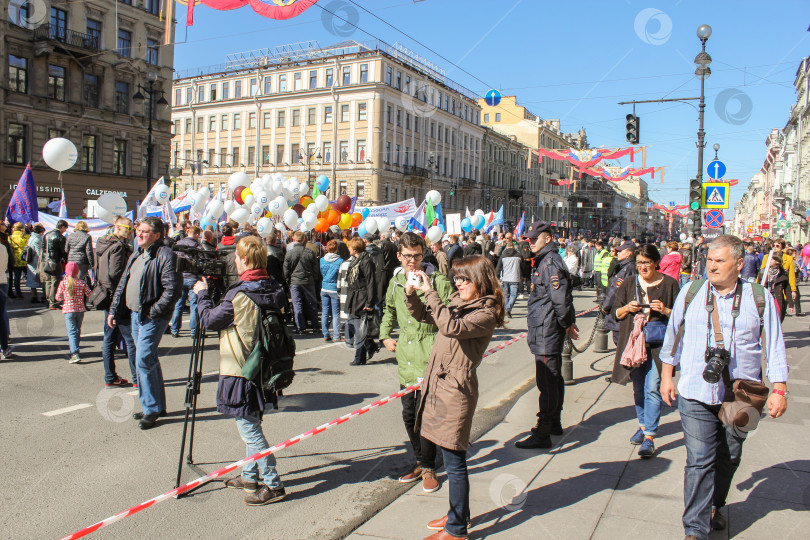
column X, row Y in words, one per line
column 744, row 346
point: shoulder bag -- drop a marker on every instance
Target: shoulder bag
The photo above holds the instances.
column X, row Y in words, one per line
column 654, row 331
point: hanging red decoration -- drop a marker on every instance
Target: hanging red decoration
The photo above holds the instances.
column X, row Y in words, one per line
column 272, row 9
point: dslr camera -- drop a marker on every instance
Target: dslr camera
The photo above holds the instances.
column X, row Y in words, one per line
column 201, row 262
column 716, row 360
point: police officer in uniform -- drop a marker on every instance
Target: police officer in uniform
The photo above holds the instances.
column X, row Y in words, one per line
column 551, row 316
column 600, row 267
column 626, row 269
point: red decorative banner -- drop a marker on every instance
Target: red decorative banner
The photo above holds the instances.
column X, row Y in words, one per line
column 272, row 9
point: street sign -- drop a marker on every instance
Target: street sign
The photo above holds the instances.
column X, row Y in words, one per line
column 493, row 97
column 672, row 204
column 716, row 169
column 627, row 205
column 783, row 224
column 714, row 219
column 715, row 195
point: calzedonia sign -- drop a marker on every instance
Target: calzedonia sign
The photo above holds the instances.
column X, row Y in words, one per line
column 99, row 192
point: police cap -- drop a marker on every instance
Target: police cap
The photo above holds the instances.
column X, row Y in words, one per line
column 536, row 228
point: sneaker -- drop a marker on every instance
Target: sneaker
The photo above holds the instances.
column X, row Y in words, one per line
column 265, row 495
column 175, row 334
column 117, row 382
column 238, row 483
column 327, row 339
column 520, row 296
column 637, row 438
column 718, row 520
column 647, row 448
column 509, row 313
column 412, row 476
column 6, row 353
column 429, row 481
column 74, row 358
column 135, row 385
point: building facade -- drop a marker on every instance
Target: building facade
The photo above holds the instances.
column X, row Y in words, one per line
column 382, row 123
column 506, row 176
column 71, row 69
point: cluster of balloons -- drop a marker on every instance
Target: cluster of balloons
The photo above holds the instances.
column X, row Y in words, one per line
column 477, row 221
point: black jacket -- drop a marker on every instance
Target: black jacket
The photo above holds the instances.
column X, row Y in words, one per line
column 389, row 253
column 79, row 247
column 53, row 246
column 361, row 285
column 473, row 248
column 112, row 254
column 160, row 285
column 377, row 257
column 301, row 266
column 454, row 252
column 343, row 249
column 551, row 303
column 275, row 265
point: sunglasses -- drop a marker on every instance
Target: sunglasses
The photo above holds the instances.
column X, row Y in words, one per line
column 461, row 279
column 411, row 257
column 127, row 227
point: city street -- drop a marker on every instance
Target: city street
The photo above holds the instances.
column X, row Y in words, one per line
column 76, row 456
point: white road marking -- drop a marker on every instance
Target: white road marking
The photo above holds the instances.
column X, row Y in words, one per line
column 67, row 409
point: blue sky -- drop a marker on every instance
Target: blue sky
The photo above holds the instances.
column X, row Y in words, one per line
column 574, row 61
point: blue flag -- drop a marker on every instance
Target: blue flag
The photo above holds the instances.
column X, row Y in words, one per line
column 23, row 205
column 520, row 226
column 497, row 219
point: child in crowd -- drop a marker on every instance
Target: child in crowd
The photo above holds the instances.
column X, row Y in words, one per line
column 72, row 293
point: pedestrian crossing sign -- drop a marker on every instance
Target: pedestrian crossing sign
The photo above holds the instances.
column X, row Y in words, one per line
column 715, row 195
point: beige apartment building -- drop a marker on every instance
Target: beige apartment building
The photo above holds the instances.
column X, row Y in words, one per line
column 71, row 69
column 506, row 175
column 382, row 123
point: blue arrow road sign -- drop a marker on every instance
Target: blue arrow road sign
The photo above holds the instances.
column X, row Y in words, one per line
column 492, row 98
column 716, row 169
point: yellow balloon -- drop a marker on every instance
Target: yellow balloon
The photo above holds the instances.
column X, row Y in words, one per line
column 268, row 214
column 246, row 192
column 306, row 202
column 345, row 221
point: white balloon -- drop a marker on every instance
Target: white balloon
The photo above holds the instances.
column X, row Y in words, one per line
column 238, row 179
column 402, row 223
column 287, row 193
column 434, row 233
column 433, row 196
column 266, row 179
column 280, row 227
column 60, row 154
column 162, row 193
column 683, row 237
column 257, row 210
column 293, row 180
column 277, row 206
column 109, row 206
column 249, row 200
column 205, row 192
column 291, row 218
column 479, row 212
column 198, row 202
column 303, row 188
column 310, row 220
column 229, row 206
column 383, row 224
column 276, row 187
column 371, row 225
column 214, row 210
column 240, row 215
column 321, row 202
column 262, row 198
column 296, row 193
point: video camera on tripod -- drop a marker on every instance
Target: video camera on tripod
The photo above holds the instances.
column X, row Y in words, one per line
column 201, row 262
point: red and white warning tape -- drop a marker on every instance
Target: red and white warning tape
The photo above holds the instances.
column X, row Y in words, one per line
column 286, row 444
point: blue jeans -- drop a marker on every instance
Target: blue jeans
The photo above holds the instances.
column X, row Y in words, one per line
column 647, row 394
column 17, row 272
column 250, row 429
column 330, row 302
column 712, row 456
column 146, row 335
column 177, row 319
column 112, row 336
column 4, row 329
column 73, row 321
column 683, row 279
column 455, row 464
column 510, row 290
column 305, row 306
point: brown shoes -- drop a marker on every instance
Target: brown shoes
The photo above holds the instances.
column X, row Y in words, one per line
column 412, row 476
column 443, row 535
column 429, row 481
column 238, row 483
column 439, row 524
column 265, row 495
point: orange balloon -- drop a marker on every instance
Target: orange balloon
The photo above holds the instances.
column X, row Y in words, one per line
column 333, row 217
column 357, row 219
column 321, row 226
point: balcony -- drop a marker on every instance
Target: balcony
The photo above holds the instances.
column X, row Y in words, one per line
column 68, row 39
column 412, row 170
column 466, row 182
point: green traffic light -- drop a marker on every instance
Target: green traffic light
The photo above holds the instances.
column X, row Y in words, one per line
column 694, row 205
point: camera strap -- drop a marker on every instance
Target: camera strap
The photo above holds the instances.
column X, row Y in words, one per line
column 714, row 320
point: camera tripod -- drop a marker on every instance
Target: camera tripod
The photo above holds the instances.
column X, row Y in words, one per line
column 192, row 391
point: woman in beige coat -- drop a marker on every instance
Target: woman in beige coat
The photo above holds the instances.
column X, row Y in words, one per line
column 450, row 389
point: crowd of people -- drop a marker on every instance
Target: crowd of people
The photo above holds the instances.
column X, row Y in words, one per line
column 435, row 306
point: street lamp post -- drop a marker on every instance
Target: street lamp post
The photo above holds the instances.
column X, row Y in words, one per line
column 702, row 61
column 138, row 99
column 310, row 153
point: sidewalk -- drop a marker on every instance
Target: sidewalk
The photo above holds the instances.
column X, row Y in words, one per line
column 593, row 485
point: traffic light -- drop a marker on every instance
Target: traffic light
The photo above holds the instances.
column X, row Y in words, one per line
column 695, row 193
column 632, row 129
column 452, row 189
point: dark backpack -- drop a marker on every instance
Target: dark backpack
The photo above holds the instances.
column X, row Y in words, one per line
column 525, row 250
column 270, row 364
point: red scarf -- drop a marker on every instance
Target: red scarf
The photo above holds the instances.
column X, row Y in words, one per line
column 256, row 274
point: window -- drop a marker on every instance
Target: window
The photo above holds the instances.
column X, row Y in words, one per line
column 440, row 132
column 390, row 115
column 408, row 84
column 89, row 153
column 312, row 116
column 17, row 73
column 407, row 120
column 295, row 153
column 298, row 82
column 279, row 154
column 93, row 30
column 486, row 117
column 344, row 113
column 237, row 120
column 153, row 6
column 124, row 43
column 251, row 120
column 344, row 150
column 268, row 80
column 388, row 152
column 251, row 155
column 53, row 133
column 120, row 157
column 254, row 86
column 360, row 190
column 347, row 75
column 363, row 73
column 176, row 127
column 282, row 83
column 313, row 79
column 16, row 143
column 432, row 126
column 361, row 111
column 416, row 121
column 223, row 122
column 189, row 95
column 281, row 119
column 152, row 51
column 212, row 92
column 235, row 155
column 188, row 125
column 266, row 121
column 58, row 27
column 90, row 93
column 237, row 89
column 212, row 125
column 121, row 97
column 327, row 152
column 330, row 78
column 226, row 90
column 497, row 117
column 223, row 157
column 200, row 124
column 296, row 117
column 327, row 114
column 399, row 80
column 265, row 154
column 396, row 155
column 388, row 75
column 56, row 82
column 211, row 155
column 399, row 117
column 178, row 96
column 200, row 93
column 407, row 153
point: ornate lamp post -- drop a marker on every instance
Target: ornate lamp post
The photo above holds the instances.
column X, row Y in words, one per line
column 162, row 103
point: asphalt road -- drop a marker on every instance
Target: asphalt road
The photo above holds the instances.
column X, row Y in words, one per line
column 73, row 456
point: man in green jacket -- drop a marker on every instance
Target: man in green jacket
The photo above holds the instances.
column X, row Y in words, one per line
column 601, row 261
column 413, row 349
